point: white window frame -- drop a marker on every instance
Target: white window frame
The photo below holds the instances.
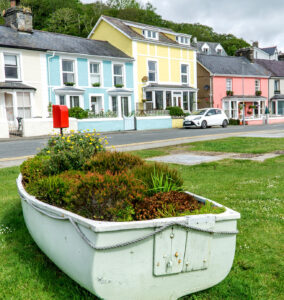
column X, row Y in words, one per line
column 231, row 84
column 257, row 85
column 96, row 95
column 74, row 69
column 18, row 58
column 67, row 99
column 184, row 74
column 276, row 84
column 156, row 71
column 183, row 40
column 100, row 72
column 150, row 34
column 123, row 73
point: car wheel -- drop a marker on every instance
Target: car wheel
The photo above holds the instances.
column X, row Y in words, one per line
column 204, row 124
column 225, row 124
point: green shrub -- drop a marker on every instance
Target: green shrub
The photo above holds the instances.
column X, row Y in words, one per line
column 234, row 122
column 51, row 189
column 71, row 152
column 34, row 168
column 78, row 113
column 105, row 196
column 157, row 177
column 175, row 111
column 113, row 162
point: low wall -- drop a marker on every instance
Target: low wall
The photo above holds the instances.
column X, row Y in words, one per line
column 276, row 120
column 177, row 123
column 4, row 129
column 271, row 120
column 44, row 126
column 101, row 125
column 146, row 123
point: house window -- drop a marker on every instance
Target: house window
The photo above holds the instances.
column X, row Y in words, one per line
column 257, row 85
column 96, row 104
column 149, row 96
column 11, row 66
column 184, row 74
column 74, row 101
column 24, row 105
column 219, row 51
column 62, row 100
column 114, row 105
column 276, row 86
column 118, row 75
column 95, row 73
column 68, row 71
column 159, row 100
column 152, row 71
column 150, row 34
column 205, row 50
column 182, row 40
column 168, row 99
column 185, row 100
column 229, row 84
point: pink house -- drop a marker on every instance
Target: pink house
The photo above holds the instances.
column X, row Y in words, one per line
column 233, row 84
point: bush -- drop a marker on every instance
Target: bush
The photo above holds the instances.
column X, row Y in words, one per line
column 150, row 174
column 234, row 122
column 175, row 111
column 71, row 152
column 78, row 113
column 104, row 196
column 34, row 168
column 164, row 205
column 113, row 162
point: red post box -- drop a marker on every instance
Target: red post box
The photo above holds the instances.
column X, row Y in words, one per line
column 60, row 116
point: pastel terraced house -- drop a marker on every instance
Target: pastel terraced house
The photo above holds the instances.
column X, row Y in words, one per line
column 165, row 62
column 228, row 82
column 40, row 68
column 23, row 74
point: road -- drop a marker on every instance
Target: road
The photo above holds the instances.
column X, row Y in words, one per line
column 131, row 140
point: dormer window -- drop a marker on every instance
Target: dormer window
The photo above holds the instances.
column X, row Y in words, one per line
column 183, row 40
column 219, row 51
column 150, row 34
column 205, row 50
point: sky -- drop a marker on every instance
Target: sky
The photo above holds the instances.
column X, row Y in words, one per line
column 253, row 20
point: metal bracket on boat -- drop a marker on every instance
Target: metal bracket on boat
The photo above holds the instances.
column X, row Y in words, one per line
column 124, row 244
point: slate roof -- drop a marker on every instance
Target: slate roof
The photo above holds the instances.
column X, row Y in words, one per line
column 44, row 41
column 269, row 50
column 9, row 85
column 278, row 97
column 163, row 39
column 212, row 48
column 274, row 67
column 231, row 65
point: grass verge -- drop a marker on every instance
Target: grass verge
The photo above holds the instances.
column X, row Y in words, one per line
column 233, row 144
column 254, row 189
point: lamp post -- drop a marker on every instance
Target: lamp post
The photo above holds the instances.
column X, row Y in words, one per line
column 243, row 91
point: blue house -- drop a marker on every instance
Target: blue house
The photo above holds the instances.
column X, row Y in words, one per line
column 90, row 74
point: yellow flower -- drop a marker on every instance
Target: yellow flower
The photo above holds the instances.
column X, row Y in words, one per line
column 98, row 134
column 97, row 147
column 72, row 130
column 80, row 139
column 68, row 141
column 100, row 140
column 48, row 151
column 90, row 143
column 88, row 129
column 73, row 143
column 63, row 138
column 106, row 142
column 113, row 147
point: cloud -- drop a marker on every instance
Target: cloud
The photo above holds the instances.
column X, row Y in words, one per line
column 253, row 20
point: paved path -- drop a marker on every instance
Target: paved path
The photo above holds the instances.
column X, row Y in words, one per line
column 196, row 159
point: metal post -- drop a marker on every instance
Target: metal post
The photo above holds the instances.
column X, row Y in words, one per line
column 61, row 131
column 243, row 94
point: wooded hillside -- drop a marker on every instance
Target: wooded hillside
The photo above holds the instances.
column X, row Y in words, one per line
column 73, row 17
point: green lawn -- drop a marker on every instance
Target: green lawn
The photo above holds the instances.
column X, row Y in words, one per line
column 233, row 144
column 254, row 189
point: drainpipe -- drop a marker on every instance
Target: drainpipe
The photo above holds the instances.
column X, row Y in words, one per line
column 211, row 91
column 48, row 66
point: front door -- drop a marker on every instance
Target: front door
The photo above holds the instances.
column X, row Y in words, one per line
column 177, row 101
column 129, row 123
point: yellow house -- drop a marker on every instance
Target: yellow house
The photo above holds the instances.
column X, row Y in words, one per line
column 165, row 62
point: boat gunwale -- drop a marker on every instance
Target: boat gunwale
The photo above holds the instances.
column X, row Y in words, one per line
column 107, row 226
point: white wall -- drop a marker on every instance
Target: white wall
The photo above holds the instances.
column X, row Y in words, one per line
column 259, row 54
column 4, row 129
column 44, row 126
column 271, row 86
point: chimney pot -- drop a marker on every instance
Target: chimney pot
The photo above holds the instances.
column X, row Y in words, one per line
column 255, row 44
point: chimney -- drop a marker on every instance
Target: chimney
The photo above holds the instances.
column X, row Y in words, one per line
column 247, row 53
column 255, row 44
column 194, row 42
column 281, row 56
column 18, row 18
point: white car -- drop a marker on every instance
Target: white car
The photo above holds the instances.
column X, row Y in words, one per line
column 206, row 117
